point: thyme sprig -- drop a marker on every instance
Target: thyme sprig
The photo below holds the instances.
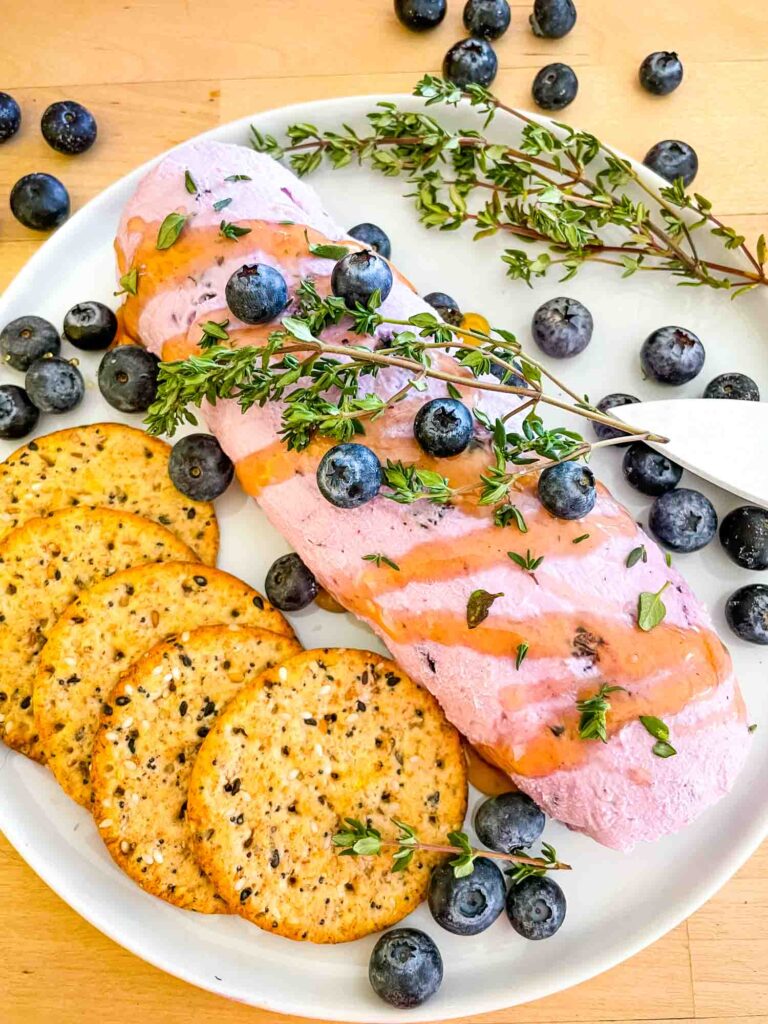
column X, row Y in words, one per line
column 593, row 723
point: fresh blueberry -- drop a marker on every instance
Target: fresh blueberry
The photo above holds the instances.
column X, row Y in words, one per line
column 256, row 293
column 199, row 468
column 40, row 202
column 746, row 612
column 733, row 385
column 683, row 520
column 10, row 116
column 68, row 127
column 486, row 19
column 420, row 15
column 349, row 475
column 562, row 327
column 555, row 86
column 552, row 19
column 290, row 586
column 536, row 907
column 661, row 72
column 447, row 307
column 128, row 378
column 672, row 159
column 612, row 401
column 509, row 822
column 672, row 355
column 18, row 415
column 567, row 490
column 90, row 326
column 358, row 275
column 405, row 968
column 468, row 905
column 373, row 237
column 26, row 339
column 649, row 471
column 744, row 536
column 443, row 427
column 470, row 62
column 54, row 385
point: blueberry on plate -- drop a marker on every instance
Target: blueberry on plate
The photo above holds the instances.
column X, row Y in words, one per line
column 555, row 86
column 54, row 385
column 562, row 327
column 199, row 468
column 40, row 202
column 468, row 905
column 612, row 401
column 683, row 520
column 746, row 612
column 443, row 427
column 536, row 907
column 290, row 586
column 470, row 62
column 372, row 237
column 420, row 15
column 26, row 339
column 10, row 116
column 405, row 968
column 256, row 293
column 661, row 72
column 649, row 471
column 672, row 355
column 567, row 490
column 744, row 536
column 509, row 822
column 446, row 307
column 552, row 19
column 358, row 275
column 733, row 385
column 349, row 475
column 672, row 159
column 486, row 19
column 128, row 378
column 68, row 127
column 18, row 415
column 90, row 326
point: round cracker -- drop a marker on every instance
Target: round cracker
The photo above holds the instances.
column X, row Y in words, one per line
column 144, row 752
column 106, row 629
column 109, row 465
column 328, row 735
column 44, row 565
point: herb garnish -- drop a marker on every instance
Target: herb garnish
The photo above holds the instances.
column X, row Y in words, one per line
column 238, row 177
column 129, row 282
column 660, row 732
column 651, row 610
column 594, row 713
column 635, row 555
column 380, row 560
column 478, row 606
column 578, row 540
column 170, row 230
column 232, row 231
column 752, row 728
column 548, row 856
column 527, row 561
column 328, row 252
column 213, row 333
column 221, row 204
column 189, row 184
column 507, row 513
column 522, row 650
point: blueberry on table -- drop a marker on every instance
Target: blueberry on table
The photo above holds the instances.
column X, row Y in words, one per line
column 470, row 62
column 405, row 968
column 26, row 339
column 746, row 612
column 536, row 907
column 54, row 385
column 612, row 401
column 199, row 468
column 672, row 355
column 256, row 293
column 744, row 536
column 68, row 127
column 567, row 490
column 486, row 19
column 420, row 15
column 649, row 471
column 443, row 427
column 90, row 326
column 673, row 159
column 446, row 307
column 128, row 378
column 661, row 72
column 290, row 586
column 552, row 19
column 372, row 237
column 349, row 475
column 18, row 415
column 562, row 327
column 358, row 275
column 10, row 116
column 468, row 905
column 40, row 202
column 733, row 385
column 555, row 86
column 509, row 822
column 683, row 520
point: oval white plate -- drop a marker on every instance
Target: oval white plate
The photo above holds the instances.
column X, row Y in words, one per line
column 617, row 904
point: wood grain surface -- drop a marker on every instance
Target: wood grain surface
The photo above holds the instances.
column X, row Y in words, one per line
column 155, row 72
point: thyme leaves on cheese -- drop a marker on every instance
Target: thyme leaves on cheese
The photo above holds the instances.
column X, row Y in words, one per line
column 651, row 610
column 378, row 560
column 170, row 229
column 478, row 607
column 593, row 723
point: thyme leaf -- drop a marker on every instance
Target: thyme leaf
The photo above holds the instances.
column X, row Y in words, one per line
column 593, row 723
column 478, row 607
column 170, row 230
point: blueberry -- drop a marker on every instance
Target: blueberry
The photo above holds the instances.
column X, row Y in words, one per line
column 290, row 586
column 486, row 19
column 683, row 520
column 90, row 326
column 746, row 612
column 54, row 385
column 128, row 378
column 17, row 413
column 661, row 72
column 470, row 62
column 199, row 468
column 555, row 86
column 256, row 293
column 405, row 968
column 552, row 19
column 68, row 127
column 10, row 116
column 536, row 907
column 349, row 475
column 40, row 202
column 649, row 471
column 744, row 536
column 672, row 355
column 672, row 159
column 358, row 275
column 443, row 427
column 447, row 307
column 420, row 15
column 469, row 905
column 733, row 385
column 373, row 237
column 509, row 822
column 567, row 490
column 26, row 339
column 562, row 327
column 612, row 401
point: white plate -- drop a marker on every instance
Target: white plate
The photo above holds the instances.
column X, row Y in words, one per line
column 617, row 904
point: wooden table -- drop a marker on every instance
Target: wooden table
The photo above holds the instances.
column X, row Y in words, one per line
column 158, row 71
